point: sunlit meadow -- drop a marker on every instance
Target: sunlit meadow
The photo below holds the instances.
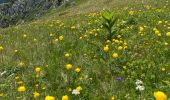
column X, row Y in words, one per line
column 67, row 55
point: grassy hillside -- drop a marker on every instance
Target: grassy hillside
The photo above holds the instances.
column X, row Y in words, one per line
column 67, row 52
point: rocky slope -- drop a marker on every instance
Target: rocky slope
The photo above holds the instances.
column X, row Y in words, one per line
column 19, row 11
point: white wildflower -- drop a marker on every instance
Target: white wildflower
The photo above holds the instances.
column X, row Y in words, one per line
column 75, row 92
column 140, row 88
column 138, row 82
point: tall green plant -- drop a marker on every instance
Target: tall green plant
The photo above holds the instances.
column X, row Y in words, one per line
column 109, row 23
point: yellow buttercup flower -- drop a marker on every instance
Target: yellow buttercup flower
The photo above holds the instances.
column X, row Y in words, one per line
column 56, row 40
column 155, row 29
column 69, row 89
column 159, row 95
column 120, row 48
column 43, row 88
column 37, row 69
column 51, row 34
column 21, row 64
column 21, row 89
column 49, row 98
column 141, row 29
column 36, row 85
column 15, row 51
column 65, row 97
column 160, row 22
column 69, row 66
column 77, row 70
column 119, row 36
column 61, row 37
column 17, row 77
column 166, row 43
column 36, row 94
column 115, row 55
column 168, row 34
column 79, row 88
column 157, row 32
column 116, row 41
column 163, row 69
column 106, row 49
column 67, row 55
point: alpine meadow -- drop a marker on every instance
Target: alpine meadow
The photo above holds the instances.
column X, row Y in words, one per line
column 87, row 50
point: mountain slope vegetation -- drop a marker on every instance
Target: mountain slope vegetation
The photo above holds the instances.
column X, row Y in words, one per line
column 66, row 54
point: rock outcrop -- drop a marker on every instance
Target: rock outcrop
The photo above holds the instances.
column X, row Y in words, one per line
column 22, row 10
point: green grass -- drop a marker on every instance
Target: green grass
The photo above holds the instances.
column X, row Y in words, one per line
column 144, row 57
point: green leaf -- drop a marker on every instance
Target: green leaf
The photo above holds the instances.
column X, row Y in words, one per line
column 107, row 15
column 113, row 22
column 106, row 26
column 113, row 32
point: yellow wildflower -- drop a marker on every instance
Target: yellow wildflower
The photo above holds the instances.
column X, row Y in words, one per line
column 36, row 85
column 17, row 77
column 120, row 48
column 51, row 34
column 77, row 70
column 141, row 29
column 67, row 55
column 69, row 89
column 159, row 22
column 112, row 98
column 49, row 98
column 69, row 66
column 79, row 88
column 166, row 43
column 116, row 41
column 21, row 89
column 15, row 51
column 106, row 49
column 61, row 37
column 163, row 69
column 168, row 34
column 65, row 97
column 115, row 55
column 157, row 32
column 36, row 94
column 119, row 36
column 37, row 69
column 43, row 88
column 21, row 64
column 160, row 95
column 56, row 40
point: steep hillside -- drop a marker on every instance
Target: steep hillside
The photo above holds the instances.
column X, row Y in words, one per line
column 68, row 54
